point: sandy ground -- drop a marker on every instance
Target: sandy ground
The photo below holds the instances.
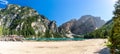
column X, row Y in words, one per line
column 91, row 46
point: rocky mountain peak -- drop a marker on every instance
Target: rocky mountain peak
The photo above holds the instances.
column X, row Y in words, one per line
column 25, row 21
column 85, row 24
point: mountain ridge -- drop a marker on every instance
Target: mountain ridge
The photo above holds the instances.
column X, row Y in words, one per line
column 25, row 21
column 90, row 22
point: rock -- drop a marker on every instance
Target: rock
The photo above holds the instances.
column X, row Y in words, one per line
column 12, row 38
column 83, row 25
column 26, row 22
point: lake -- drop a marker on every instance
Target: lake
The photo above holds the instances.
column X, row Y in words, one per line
column 55, row 39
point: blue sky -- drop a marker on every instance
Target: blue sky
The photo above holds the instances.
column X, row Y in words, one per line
column 64, row 10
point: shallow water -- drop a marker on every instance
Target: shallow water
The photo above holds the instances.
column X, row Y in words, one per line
column 55, row 39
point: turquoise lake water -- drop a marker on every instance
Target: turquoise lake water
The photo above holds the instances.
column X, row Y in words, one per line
column 55, row 39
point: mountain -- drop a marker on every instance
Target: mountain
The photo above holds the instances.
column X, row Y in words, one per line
column 25, row 21
column 85, row 24
column 102, row 32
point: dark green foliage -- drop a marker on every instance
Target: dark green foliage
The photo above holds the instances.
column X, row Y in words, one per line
column 25, row 21
column 57, row 35
column 114, row 37
column 26, row 30
column 102, row 32
column 20, row 22
column 47, row 34
column 39, row 35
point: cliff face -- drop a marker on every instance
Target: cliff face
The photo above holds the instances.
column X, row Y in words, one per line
column 25, row 21
column 83, row 25
column 66, row 27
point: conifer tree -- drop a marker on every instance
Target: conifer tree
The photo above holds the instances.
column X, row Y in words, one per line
column 114, row 37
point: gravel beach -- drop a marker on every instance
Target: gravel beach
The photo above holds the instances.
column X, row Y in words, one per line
column 90, row 46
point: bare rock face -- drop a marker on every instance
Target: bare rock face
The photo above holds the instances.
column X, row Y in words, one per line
column 67, row 26
column 25, row 21
column 83, row 25
column 53, row 27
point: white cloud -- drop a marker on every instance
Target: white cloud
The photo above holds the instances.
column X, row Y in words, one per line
column 5, row 2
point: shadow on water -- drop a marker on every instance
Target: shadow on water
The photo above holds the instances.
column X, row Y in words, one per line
column 103, row 51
